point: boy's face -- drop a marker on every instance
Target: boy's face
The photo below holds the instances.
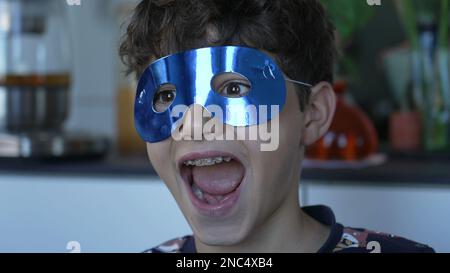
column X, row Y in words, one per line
column 228, row 188
column 260, row 181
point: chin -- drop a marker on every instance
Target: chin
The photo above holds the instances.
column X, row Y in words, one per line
column 231, row 231
column 221, row 236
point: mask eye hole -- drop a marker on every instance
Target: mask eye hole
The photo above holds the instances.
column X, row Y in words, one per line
column 231, row 85
column 164, row 97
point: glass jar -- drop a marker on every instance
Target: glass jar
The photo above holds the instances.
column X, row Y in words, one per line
column 35, row 65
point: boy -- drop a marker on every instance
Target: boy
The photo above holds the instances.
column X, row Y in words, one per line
column 214, row 76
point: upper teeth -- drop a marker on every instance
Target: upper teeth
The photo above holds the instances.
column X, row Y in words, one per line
column 207, row 161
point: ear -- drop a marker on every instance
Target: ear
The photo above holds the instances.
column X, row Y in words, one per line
column 320, row 112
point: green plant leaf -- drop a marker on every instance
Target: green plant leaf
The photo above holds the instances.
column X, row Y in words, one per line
column 348, row 15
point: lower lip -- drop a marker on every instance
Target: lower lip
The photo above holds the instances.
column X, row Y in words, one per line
column 220, row 209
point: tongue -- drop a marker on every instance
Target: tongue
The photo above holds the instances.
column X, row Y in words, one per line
column 218, row 180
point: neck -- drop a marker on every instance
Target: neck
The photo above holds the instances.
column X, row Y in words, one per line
column 287, row 230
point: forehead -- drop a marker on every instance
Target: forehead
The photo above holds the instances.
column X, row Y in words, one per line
column 226, row 58
column 199, row 63
column 209, row 42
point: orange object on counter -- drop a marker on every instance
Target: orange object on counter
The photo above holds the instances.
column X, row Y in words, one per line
column 405, row 131
column 352, row 135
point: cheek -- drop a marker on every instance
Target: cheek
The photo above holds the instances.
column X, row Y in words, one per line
column 153, row 152
column 273, row 170
column 271, row 183
column 291, row 124
column 160, row 160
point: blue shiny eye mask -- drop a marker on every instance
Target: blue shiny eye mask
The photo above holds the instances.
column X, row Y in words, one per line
column 191, row 74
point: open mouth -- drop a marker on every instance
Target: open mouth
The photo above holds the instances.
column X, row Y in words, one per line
column 213, row 181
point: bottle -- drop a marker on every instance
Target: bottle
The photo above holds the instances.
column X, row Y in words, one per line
column 128, row 141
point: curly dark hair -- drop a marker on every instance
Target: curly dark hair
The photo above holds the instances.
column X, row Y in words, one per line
column 297, row 32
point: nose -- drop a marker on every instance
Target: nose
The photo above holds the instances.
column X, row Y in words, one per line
column 192, row 126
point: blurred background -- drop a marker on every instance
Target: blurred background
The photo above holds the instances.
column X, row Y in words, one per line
column 74, row 175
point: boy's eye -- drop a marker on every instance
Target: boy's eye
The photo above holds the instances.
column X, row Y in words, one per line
column 234, row 90
column 164, row 98
column 231, row 85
